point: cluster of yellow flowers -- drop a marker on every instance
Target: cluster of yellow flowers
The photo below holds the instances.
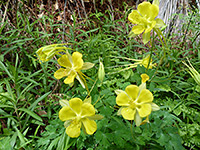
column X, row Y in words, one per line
column 136, row 102
column 76, row 113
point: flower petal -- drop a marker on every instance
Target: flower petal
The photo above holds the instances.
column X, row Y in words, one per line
column 87, row 65
column 134, row 17
column 64, row 102
column 87, row 110
column 132, row 91
column 76, row 105
column 89, row 125
column 146, row 61
column 66, row 113
column 159, row 23
column 81, row 81
column 122, row 99
column 145, row 96
column 148, row 10
column 77, row 61
column 74, row 130
column 144, row 77
column 128, row 113
column 154, row 107
column 70, row 78
column 61, row 73
column 138, row 29
column 150, row 27
column 64, row 61
column 95, row 117
column 138, row 119
column 144, row 110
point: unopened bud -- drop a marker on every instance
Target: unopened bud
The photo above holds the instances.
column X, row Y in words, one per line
column 101, row 72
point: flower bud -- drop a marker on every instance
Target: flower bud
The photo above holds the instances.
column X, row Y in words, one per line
column 101, row 72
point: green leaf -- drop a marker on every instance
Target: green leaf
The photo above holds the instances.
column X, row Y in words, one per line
column 38, row 100
column 31, row 113
column 4, row 68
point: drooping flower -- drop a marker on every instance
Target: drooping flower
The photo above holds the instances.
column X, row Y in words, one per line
column 46, row 53
column 72, row 68
column 146, row 62
column 193, row 72
column 136, row 102
column 145, row 19
column 78, row 114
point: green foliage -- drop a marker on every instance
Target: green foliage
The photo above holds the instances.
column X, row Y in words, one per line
column 29, row 93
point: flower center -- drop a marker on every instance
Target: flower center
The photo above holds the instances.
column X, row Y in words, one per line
column 132, row 104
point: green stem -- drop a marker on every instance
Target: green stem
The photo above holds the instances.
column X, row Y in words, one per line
column 151, row 49
column 132, row 130
column 164, row 46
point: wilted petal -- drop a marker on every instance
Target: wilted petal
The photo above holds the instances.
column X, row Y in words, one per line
column 128, row 113
column 138, row 29
column 87, row 110
column 77, row 61
column 145, row 96
column 123, row 99
column 66, row 113
column 159, row 23
column 134, row 17
column 132, row 91
column 144, row 110
column 61, row 73
column 89, row 125
column 70, row 78
column 64, row 61
column 74, row 130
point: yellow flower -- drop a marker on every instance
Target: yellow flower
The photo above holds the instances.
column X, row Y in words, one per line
column 144, row 18
column 192, row 71
column 78, row 114
column 136, row 102
column 72, row 68
column 47, row 52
